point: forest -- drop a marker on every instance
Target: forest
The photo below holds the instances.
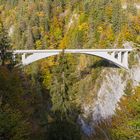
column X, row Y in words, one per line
column 45, row 100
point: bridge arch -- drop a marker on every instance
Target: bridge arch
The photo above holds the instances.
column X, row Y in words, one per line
column 117, row 56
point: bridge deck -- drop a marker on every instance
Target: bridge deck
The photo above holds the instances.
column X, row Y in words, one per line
column 70, row 50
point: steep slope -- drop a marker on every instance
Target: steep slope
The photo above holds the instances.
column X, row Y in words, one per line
column 88, row 89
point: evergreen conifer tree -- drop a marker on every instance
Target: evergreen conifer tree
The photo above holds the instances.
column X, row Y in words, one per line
column 4, row 43
column 60, row 89
column 116, row 15
column 131, row 8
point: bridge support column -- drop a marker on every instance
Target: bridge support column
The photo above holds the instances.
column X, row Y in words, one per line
column 119, row 56
column 125, row 59
column 23, row 58
column 113, row 54
column 14, row 57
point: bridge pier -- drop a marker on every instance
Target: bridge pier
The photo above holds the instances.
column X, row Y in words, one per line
column 119, row 56
column 125, row 59
column 113, row 54
column 23, row 58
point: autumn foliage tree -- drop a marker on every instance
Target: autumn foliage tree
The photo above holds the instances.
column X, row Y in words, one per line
column 126, row 123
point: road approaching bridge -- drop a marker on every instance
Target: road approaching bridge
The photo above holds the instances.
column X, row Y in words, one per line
column 117, row 56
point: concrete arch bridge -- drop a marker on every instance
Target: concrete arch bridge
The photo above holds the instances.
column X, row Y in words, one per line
column 119, row 57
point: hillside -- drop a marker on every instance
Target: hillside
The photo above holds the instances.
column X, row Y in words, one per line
column 69, row 97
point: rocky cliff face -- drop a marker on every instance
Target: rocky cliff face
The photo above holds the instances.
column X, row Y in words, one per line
column 113, row 85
